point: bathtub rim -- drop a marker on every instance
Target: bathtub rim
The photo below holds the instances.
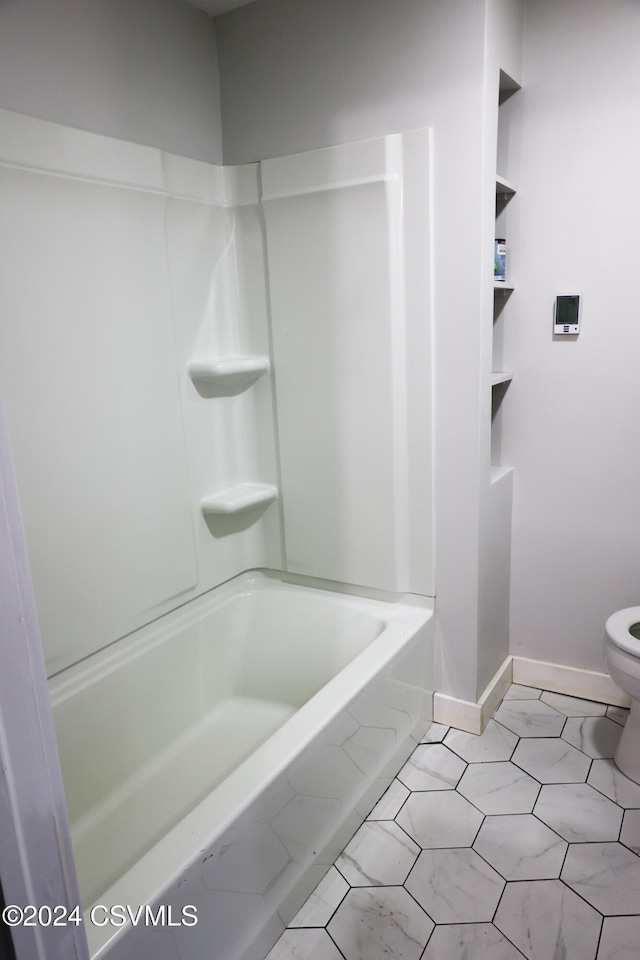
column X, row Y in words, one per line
column 403, row 615
column 110, row 656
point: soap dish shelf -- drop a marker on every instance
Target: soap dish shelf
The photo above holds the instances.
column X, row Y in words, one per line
column 233, row 371
column 237, row 499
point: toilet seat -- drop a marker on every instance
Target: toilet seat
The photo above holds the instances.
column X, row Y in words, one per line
column 617, row 627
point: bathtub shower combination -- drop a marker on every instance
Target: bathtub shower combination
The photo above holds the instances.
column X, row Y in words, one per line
column 219, row 398
column 227, row 752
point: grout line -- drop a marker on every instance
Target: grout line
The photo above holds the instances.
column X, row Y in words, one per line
column 484, row 816
column 334, row 942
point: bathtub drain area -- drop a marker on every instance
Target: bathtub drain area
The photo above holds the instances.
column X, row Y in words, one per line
column 523, row 842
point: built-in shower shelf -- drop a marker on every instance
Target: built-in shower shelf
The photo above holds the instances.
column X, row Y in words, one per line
column 233, row 371
column 236, row 499
column 502, row 286
column 504, row 186
column 500, row 377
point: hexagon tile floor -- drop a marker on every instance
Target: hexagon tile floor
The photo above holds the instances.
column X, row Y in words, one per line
column 522, row 842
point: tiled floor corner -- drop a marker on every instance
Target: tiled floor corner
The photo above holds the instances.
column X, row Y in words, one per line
column 523, row 842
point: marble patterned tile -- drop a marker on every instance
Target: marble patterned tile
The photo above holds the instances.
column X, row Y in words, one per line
column 499, row 788
column 607, row 875
column 598, row 737
column 548, row 921
column 305, row 945
column 605, row 777
column 377, row 923
column 469, row 941
column 390, row 802
column 432, row 767
column 551, row 760
column 440, row 819
column 578, row 812
column 478, row 829
column 530, row 718
column 455, row 886
column 630, row 833
column 573, row 706
column 619, row 714
column 378, row 854
column 520, row 847
column 519, row 692
column 323, row 902
column 494, row 743
column 436, row 733
column 620, row 939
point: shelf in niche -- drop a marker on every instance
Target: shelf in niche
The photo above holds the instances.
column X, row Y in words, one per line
column 500, row 377
column 237, row 499
column 507, row 87
column 234, row 371
column 499, row 473
column 505, row 187
column 503, row 286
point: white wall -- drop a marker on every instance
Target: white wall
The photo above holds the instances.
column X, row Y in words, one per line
column 140, row 70
column 301, row 75
column 571, row 419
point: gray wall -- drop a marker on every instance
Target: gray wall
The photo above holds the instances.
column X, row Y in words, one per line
column 140, row 70
column 572, row 420
column 301, row 74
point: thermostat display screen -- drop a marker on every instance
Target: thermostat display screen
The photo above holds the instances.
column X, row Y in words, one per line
column 567, row 315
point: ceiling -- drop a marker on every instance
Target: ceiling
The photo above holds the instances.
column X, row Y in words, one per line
column 214, row 7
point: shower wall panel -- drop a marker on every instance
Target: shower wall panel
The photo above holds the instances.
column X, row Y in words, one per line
column 119, row 265
column 218, row 285
column 348, row 241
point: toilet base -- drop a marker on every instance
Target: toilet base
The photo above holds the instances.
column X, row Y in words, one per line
column 627, row 756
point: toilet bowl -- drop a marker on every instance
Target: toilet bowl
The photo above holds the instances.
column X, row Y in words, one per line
column 622, row 657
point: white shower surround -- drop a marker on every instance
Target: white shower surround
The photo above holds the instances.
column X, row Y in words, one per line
column 129, row 273
column 149, row 379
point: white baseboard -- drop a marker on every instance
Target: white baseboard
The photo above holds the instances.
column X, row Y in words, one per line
column 588, row 684
column 469, row 716
column 461, row 714
column 473, row 717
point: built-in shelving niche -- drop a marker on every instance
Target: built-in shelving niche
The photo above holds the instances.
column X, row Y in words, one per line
column 499, row 386
column 505, row 191
column 502, row 289
column 508, row 86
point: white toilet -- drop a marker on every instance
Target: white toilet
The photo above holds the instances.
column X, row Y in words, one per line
column 622, row 657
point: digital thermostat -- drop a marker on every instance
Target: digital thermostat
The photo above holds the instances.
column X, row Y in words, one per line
column 566, row 317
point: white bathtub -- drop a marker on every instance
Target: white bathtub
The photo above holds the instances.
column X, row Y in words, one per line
column 221, row 757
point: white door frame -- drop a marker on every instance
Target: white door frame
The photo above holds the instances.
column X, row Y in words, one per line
column 36, row 859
